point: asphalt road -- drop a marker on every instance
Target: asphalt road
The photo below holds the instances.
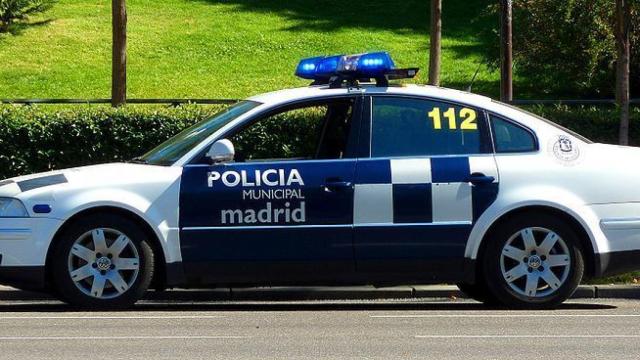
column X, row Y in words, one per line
column 381, row 329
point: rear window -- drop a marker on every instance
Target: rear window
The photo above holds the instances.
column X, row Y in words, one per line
column 574, row 134
column 510, row 137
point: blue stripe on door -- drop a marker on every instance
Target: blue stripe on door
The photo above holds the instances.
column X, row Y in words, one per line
column 373, row 172
column 423, row 242
column 482, row 197
column 450, row 169
column 412, row 203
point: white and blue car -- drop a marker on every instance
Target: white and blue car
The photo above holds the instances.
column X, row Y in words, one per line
column 348, row 181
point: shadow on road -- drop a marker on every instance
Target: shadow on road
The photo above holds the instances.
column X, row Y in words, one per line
column 253, row 306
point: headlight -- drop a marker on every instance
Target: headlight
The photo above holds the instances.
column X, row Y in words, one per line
column 12, row 208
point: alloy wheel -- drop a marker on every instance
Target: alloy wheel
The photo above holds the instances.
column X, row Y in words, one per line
column 103, row 263
column 535, row 262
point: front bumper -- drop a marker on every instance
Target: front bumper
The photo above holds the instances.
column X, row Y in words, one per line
column 24, row 243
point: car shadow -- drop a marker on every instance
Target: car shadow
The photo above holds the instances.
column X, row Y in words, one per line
column 53, row 306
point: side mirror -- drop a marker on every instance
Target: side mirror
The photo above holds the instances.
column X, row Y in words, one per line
column 221, row 151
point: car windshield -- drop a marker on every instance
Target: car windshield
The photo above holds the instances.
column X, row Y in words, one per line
column 173, row 149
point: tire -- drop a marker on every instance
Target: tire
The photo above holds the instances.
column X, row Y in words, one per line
column 102, row 261
column 478, row 292
column 473, row 291
column 534, row 261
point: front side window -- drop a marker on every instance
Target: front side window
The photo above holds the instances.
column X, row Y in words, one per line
column 314, row 131
column 418, row 127
column 509, row 137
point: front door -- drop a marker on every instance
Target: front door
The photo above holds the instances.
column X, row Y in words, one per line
column 283, row 212
column 429, row 175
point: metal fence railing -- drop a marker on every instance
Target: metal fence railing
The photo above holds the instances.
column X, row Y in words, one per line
column 232, row 101
column 129, row 101
column 571, row 102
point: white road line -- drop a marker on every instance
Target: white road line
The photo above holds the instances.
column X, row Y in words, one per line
column 504, row 316
column 91, row 317
column 527, row 336
column 183, row 337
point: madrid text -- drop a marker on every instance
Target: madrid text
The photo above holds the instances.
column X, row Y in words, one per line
column 268, row 185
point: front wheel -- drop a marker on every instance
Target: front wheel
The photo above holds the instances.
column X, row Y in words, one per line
column 534, row 261
column 102, row 261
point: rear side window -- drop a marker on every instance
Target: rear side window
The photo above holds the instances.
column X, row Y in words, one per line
column 420, row 127
column 509, row 137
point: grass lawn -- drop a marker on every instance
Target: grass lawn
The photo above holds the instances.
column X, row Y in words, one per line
column 228, row 48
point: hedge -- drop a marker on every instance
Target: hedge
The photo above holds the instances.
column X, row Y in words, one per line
column 41, row 138
column 599, row 124
column 34, row 139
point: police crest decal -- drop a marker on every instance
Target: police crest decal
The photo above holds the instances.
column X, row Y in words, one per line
column 565, row 150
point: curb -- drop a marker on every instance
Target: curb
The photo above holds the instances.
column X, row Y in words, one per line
column 330, row 293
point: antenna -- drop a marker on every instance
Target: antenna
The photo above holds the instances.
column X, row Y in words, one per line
column 473, row 79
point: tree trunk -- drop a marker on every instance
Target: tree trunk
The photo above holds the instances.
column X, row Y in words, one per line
column 506, row 50
column 623, row 24
column 119, row 53
column 435, row 42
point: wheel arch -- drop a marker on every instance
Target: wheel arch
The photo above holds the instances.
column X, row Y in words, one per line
column 586, row 242
column 160, row 272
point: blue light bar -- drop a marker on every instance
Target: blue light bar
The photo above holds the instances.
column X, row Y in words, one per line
column 352, row 68
column 370, row 65
column 307, row 67
column 318, row 68
column 328, row 66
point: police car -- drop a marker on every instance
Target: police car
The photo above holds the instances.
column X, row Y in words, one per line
column 348, row 181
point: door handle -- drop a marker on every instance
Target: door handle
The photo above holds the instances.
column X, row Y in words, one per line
column 480, row 178
column 335, row 185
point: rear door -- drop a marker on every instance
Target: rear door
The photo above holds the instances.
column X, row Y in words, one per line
column 425, row 175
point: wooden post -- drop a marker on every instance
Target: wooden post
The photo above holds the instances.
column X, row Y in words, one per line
column 506, row 50
column 119, row 53
column 435, row 42
column 623, row 21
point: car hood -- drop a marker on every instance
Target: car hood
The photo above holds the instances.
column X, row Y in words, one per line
column 94, row 176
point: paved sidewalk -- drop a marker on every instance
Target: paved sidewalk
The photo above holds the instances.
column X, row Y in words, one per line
column 326, row 293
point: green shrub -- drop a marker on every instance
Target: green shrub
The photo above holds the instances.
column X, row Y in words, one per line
column 599, row 124
column 564, row 47
column 12, row 11
column 34, row 139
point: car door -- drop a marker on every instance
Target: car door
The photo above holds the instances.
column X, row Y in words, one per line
column 283, row 211
column 426, row 173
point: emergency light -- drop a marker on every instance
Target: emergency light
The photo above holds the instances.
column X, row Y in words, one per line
column 336, row 69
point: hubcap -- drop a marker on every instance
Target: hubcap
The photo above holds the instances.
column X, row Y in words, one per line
column 535, row 262
column 103, row 263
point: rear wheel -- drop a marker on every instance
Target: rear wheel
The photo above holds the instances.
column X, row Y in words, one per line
column 533, row 261
column 102, row 261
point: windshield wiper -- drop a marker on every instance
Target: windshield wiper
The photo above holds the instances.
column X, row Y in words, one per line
column 139, row 160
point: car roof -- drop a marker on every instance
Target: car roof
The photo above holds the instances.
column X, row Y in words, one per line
column 310, row 92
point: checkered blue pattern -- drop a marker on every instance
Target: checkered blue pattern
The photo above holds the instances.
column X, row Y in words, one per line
column 417, row 190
